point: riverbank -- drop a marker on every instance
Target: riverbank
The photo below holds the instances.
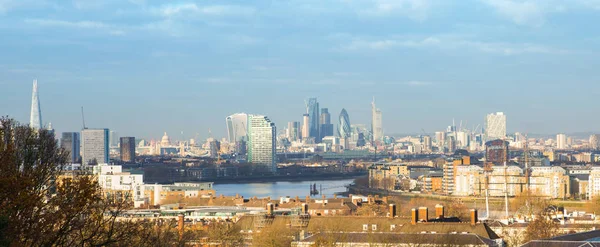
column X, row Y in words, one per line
column 284, row 178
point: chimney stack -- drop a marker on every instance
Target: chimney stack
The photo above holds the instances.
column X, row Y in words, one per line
column 474, row 218
column 439, row 211
column 392, row 211
column 304, row 208
column 180, row 225
column 423, row 214
column 269, row 209
column 414, row 216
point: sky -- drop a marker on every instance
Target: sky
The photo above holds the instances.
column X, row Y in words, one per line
column 143, row 68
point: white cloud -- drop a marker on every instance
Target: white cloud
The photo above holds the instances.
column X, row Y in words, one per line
column 77, row 24
column 192, row 9
column 526, row 12
column 413, row 9
column 501, row 48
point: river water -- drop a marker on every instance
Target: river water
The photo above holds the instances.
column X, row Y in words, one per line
column 283, row 189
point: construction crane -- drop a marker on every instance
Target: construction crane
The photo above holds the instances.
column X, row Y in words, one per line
column 83, row 118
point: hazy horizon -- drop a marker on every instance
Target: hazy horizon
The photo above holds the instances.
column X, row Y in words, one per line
column 142, row 68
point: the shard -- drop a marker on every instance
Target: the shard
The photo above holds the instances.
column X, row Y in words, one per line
column 35, row 119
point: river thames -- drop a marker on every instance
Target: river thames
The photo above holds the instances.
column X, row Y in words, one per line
column 282, row 189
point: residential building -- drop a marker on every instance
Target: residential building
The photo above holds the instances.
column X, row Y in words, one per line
column 561, row 141
column 118, row 184
column 262, row 141
column 305, row 127
column 385, row 175
column 495, row 126
column 70, row 142
column 505, row 179
column 594, row 142
column 449, row 173
column 433, row 182
column 95, row 146
column 469, row 180
column 550, row 181
column 127, row 146
column 158, row 194
column 496, row 152
column 593, row 190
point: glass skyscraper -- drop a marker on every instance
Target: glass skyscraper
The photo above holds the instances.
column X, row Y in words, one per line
column 262, row 141
column 236, row 127
column 70, row 142
column 312, row 108
column 35, row 119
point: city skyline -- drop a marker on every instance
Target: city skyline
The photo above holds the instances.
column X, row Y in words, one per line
column 425, row 61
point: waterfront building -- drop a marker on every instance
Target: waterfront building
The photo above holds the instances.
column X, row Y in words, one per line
column 236, row 127
column 158, row 194
column 593, row 189
column 496, row 152
column 449, row 173
column 495, row 126
column 116, row 183
column 312, row 108
column 468, row 181
column 262, row 141
column 95, row 145
column 433, row 182
column 293, row 131
column 127, row 146
column 550, row 181
column 70, row 142
column 35, row 118
column 376, row 123
column 344, row 129
column 509, row 179
column 561, row 141
column 385, row 175
column 326, row 125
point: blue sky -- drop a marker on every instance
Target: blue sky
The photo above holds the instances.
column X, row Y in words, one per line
column 145, row 67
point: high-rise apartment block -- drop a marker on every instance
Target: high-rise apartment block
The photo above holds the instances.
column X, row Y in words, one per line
column 127, row 146
column 496, row 152
column 495, row 126
column 594, row 142
column 561, row 141
column 262, row 141
column 305, row 127
column 95, row 145
column 70, row 142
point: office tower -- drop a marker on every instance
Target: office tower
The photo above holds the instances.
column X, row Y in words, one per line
column 293, row 131
column 427, row 143
column 495, row 126
column 127, row 149
column 561, row 141
column 70, row 143
column 594, row 142
column 462, row 139
column 262, row 141
column 496, row 152
column 344, row 129
column 305, row 126
column 95, row 146
column 113, row 138
column 440, row 138
column 376, row 123
column 236, row 127
column 35, row 119
column 312, row 108
column 326, row 125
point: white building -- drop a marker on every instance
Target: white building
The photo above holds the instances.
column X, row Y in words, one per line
column 594, row 183
column 262, row 141
column 114, row 181
column 95, row 145
column 376, row 122
column 495, row 126
column 561, row 141
column 468, row 180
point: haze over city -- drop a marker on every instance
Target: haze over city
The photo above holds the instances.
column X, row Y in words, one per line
column 143, row 67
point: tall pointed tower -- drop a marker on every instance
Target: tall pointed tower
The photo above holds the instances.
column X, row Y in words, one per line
column 35, row 119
